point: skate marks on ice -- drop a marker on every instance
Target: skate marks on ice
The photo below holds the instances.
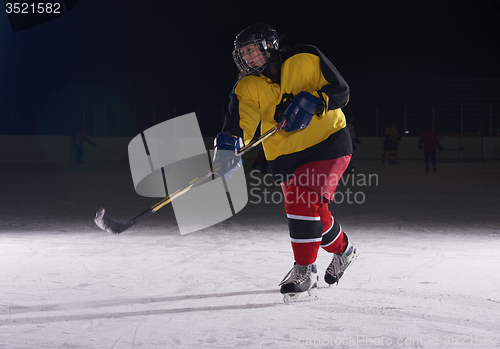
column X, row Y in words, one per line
column 445, row 310
column 425, row 307
column 63, row 312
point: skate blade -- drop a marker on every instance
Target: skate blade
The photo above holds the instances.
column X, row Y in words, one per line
column 309, row 295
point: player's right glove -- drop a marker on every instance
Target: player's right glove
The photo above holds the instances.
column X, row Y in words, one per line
column 300, row 111
column 226, row 160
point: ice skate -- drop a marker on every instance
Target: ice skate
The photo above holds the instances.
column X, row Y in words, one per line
column 300, row 283
column 339, row 264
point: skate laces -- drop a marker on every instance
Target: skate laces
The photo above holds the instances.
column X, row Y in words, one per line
column 336, row 266
column 298, row 274
column 340, row 262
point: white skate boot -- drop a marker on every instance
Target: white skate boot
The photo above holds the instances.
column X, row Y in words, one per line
column 339, row 264
column 300, row 283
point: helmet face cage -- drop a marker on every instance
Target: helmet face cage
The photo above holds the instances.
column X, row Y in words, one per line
column 250, row 52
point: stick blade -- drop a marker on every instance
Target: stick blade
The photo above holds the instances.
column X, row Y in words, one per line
column 106, row 223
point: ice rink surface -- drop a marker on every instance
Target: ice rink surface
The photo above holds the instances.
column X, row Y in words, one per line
column 428, row 274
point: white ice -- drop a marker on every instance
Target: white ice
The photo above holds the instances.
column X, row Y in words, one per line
column 428, row 274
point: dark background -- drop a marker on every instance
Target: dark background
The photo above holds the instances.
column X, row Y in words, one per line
column 118, row 67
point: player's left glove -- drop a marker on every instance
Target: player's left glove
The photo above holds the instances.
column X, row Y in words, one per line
column 300, row 111
column 226, row 160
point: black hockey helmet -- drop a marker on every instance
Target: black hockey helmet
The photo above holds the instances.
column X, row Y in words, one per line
column 263, row 37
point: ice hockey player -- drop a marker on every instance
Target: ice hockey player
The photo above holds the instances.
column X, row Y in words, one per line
column 429, row 142
column 307, row 157
column 391, row 144
column 78, row 141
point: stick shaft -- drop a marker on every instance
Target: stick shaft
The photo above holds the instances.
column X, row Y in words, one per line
column 262, row 138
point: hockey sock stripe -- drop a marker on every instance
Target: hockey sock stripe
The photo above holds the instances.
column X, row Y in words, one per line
column 303, row 218
column 331, row 242
column 305, row 241
column 337, row 245
column 332, row 235
column 300, row 229
column 304, row 222
column 334, row 241
column 331, row 226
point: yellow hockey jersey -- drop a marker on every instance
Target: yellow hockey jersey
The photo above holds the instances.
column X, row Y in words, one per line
column 258, row 100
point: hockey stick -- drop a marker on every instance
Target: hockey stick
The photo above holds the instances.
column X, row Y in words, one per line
column 106, row 223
